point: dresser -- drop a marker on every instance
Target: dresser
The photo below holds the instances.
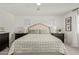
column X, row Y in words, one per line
column 59, row 35
column 18, row 35
column 4, row 40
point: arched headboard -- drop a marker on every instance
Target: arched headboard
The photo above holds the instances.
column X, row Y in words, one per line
column 39, row 26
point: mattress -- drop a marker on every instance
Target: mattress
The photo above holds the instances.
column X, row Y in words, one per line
column 37, row 44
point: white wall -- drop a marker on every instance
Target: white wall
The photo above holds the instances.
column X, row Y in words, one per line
column 48, row 20
column 10, row 21
column 6, row 20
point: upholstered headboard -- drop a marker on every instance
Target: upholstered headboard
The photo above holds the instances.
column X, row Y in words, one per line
column 40, row 27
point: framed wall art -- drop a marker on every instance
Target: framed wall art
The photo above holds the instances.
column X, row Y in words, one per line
column 68, row 24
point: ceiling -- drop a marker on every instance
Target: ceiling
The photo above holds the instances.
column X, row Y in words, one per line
column 30, row 9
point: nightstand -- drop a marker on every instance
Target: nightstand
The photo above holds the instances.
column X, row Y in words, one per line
column 4, row 40
column 18, row 35
column 59, row 35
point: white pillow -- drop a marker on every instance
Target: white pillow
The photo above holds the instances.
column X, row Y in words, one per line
column 34, row 31
column 44, row 31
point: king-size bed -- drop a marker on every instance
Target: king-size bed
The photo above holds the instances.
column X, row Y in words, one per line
column 38, row 44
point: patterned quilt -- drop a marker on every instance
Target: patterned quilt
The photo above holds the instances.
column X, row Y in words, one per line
column 37, row 43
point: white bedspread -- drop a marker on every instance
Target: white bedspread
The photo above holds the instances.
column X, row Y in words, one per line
column 38, row 43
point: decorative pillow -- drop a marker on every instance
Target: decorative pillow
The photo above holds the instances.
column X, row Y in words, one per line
column 34, row 31
column 44, row 31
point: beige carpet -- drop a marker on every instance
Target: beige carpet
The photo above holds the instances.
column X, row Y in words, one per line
column 4, row 52
column 71, row 51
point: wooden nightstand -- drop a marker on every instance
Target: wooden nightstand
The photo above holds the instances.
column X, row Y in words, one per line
column 18, row 35
column 59, row 35
column 4, row 40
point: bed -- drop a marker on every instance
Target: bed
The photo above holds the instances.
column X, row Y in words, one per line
column 38, row 44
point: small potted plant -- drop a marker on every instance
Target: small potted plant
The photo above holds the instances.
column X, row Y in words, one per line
column 59, row 30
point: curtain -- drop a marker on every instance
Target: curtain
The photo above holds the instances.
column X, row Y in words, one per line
column 74, row 29
column 77, row 26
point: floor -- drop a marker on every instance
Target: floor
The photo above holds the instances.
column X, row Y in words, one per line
column 4, row 52
column 71, row 51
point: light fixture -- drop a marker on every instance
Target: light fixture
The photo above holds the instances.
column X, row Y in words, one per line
column 38, row 7
column 38, row 4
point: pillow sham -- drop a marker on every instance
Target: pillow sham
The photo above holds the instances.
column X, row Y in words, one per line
column 34, row 31
column 44, row 31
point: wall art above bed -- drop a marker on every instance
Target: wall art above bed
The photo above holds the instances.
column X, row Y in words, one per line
column 68, row 24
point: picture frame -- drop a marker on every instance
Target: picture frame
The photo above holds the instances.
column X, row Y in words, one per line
column 68, row 24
